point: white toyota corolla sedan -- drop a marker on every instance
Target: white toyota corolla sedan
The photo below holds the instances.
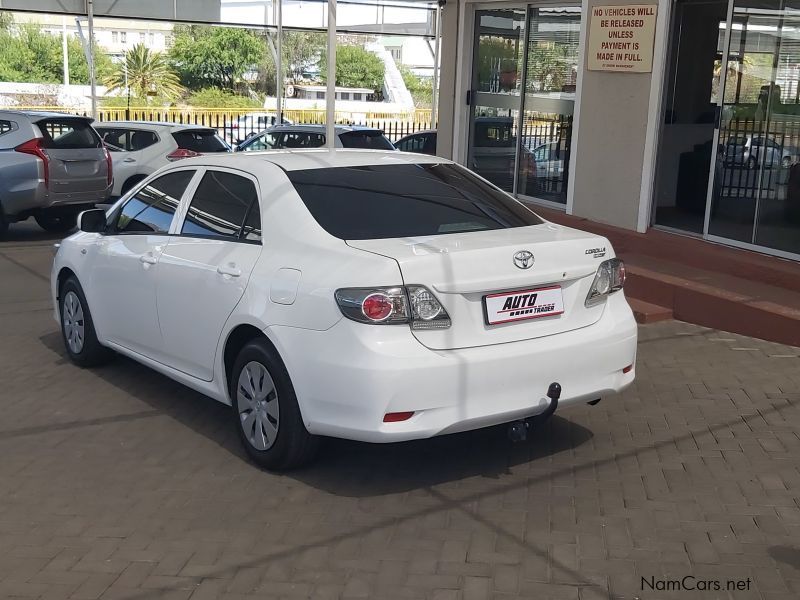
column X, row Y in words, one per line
column 376, row 296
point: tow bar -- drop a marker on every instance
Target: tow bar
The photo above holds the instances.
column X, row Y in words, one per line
column 518, row 430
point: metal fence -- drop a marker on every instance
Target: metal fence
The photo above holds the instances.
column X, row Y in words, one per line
column 236, row 125
column 755, row 157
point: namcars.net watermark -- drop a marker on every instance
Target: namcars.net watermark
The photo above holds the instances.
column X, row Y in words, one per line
column 690, row 583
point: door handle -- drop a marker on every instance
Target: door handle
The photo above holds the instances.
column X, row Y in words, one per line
column 148, row 259
column 229, row 269
column 129, row 160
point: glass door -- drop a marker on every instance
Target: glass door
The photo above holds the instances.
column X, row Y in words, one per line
column 755, row 200
column 495, row 97
column 551, row 75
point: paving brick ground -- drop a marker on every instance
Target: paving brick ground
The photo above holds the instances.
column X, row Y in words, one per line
column 118, row 483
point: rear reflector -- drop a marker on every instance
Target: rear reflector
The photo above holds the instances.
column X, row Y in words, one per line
column 398, row 416
column 182, row 153
column 628, row 369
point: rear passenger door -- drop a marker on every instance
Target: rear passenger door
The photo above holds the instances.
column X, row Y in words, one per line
column 204, row 270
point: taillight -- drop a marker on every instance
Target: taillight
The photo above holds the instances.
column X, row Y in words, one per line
column 412, row 304
column 35, row 148
column 610, row 278
column 109, row 166
column 182, row 153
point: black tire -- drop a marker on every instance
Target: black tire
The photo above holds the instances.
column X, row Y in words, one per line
column 57, row 222
column 90, row 353
column 291, row 445
column 3, row 223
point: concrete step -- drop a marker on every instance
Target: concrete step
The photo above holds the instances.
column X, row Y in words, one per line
column 715, row 299
column 647, row 312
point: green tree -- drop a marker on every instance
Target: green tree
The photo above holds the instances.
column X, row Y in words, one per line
column 206, row 56
column 32, row 56
column 146, row 73
column 301, row 52
column 355, row 67
column 421, row 88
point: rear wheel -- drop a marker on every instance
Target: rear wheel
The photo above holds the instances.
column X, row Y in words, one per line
column 59, row 222
column 3, row 223
column 265, row 410
column 77, row 327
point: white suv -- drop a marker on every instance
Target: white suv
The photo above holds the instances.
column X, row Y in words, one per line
column 140, row 148
column 376, row 296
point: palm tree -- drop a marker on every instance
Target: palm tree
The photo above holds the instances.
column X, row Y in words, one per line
column 145, row 73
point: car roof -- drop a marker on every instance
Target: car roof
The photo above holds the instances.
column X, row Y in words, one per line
column 322, row 128
column 319, row 158
column 418, row 133
column 44, row 114
column 151, row 125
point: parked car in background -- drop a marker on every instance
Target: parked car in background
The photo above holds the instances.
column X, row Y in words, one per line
column 251, row 124
column 140, row 148
column 549, row 159
column 753, row 151
column 313, row 136
column 52, row 166
column 395, row 297
column 422, row 142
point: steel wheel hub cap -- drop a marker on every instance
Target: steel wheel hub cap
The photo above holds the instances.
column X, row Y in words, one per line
column 73, row 322
column 257, row 404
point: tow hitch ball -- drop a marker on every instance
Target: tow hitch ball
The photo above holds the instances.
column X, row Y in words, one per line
column 518, row 430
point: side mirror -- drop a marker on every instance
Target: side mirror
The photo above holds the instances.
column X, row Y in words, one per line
column 92, row 221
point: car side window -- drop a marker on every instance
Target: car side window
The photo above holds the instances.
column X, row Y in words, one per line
column 225, row 206
column 412, row 143
column 268, row 141
column 5, row 126
column 302, row 140
column 150, row 210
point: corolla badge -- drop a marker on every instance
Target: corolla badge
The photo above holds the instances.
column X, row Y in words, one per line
column 523, row 259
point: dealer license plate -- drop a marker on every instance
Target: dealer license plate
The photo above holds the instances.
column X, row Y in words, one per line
column 526, row 304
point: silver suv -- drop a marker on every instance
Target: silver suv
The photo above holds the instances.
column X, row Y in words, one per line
column 52, row 166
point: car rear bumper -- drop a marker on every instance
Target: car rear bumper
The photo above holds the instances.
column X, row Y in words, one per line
column 348, row 377
column 27, row 197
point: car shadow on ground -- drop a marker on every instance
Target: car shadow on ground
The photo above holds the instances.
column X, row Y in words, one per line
column 29, row 231
column 343, row 467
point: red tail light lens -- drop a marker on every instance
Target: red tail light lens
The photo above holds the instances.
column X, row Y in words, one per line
column 109, row 165
column 182, row 153
column 397, row 417
column 35, row 148
column 414, row 305
column 377, row 307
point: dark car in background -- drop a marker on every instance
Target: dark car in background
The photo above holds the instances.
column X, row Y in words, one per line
column 314, row 136
column 52, row 166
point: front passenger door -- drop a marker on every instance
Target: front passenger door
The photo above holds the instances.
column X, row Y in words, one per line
column 124, row 264
column 204, row 270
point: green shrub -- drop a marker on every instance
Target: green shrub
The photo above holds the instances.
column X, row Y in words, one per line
column 218, row 98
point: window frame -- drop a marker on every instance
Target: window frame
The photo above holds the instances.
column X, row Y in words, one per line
column 130, row 131
column 119, row 206
column 186, row 201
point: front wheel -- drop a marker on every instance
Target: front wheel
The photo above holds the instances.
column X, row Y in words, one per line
column 57, row 223
column 265, row 410
column 77, row 327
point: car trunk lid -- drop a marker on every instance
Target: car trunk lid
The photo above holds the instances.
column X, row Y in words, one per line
column 76, row 157
column 463, row 268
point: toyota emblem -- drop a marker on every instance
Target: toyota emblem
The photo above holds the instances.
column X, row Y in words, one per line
column 523, row 259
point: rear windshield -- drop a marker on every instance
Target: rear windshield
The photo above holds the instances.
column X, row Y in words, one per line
column 395, row 201
column 200, row 140
column 366, row 140
column 68, row 134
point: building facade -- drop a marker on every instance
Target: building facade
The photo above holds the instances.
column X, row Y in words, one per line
column 680, row 115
